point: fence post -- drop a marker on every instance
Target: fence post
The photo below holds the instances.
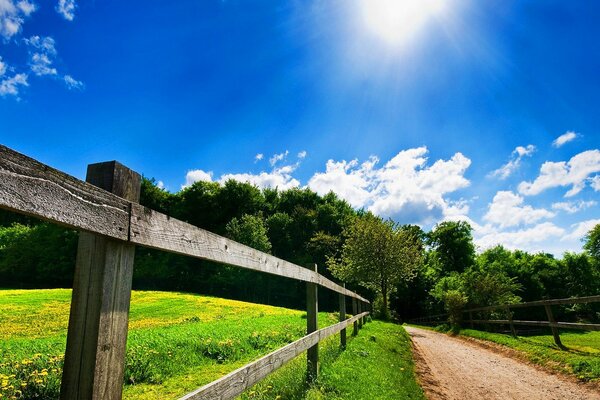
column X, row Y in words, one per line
column 471, row 319
column 355, row 312
column 97, row 333
column 552, row 327
column 312, row 309
column 510, row 321
column 343, row 318
column 360, row 321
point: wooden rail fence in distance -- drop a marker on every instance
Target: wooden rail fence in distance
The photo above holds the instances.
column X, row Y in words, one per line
column 107, row 212
column 547, row 304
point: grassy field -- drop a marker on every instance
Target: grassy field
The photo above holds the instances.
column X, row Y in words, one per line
column 178, row 342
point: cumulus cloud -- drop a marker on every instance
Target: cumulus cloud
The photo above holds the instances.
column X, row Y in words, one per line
column 41, row 56
column 66, row 8
column 196, row 175
column 302, row 154
column 564, row 138
column 405, row 188
column 529, row 239
column 13, row 15
column 278, row 157
column 258, row 157
column 507, row 210
column 580, row 229
column 11, row 86
column 280, row 178
column 595, row 183
column 571, row 207
column 73, row 83
column 572, row 173
column 513, row 163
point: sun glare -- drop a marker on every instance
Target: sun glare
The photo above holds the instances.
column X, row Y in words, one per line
column 396, row 21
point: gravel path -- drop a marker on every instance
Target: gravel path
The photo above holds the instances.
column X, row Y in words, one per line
column 453, row 369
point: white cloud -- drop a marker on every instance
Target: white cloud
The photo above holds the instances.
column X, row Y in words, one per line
column 278, row 157
column 10, row 86
column 507, row 210
column 3, row 67
column 572, row 207
column 573, row 173
column 530, row 239
column 196, row 175
column 41, row 55
column 66, row 8
column 302, row 154
column 73, row 83
column 258, row 157
column 12, row 16
column 580, row 229
column 595, row 183
column 405, row 188
column 513, row 163
column 564, row 138
column 160, row 184
column 280, row 178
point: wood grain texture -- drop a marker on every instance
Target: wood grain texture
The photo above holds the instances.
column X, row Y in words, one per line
column 342, row 300
column 153, row 229
column 234, row 383
column 355, row 312
column 32, row 188
column 312, row 325
column 97, row 333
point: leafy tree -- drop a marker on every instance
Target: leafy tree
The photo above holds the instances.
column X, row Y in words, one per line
column 592, row 242
column 377, row 255
column 453, row 245
column 249, row 230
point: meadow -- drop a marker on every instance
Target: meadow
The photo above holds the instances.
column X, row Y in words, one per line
column 178, row 342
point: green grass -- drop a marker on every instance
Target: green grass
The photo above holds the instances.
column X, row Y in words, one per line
column 580, row 358
column 377, row 364
column 178, row 342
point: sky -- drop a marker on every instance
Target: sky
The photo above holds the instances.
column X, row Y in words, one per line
column 420, row 111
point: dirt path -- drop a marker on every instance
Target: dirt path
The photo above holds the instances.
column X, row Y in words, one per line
column 452, row 369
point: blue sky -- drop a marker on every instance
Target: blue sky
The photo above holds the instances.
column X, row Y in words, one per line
column 418, row 110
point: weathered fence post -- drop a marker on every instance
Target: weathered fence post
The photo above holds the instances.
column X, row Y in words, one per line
column 360, row 321
column 312, row 310
column 510, row 322
column 471, row 319
column 343, row 318
column 355, row 312
column 552, row 326
column 97, row 333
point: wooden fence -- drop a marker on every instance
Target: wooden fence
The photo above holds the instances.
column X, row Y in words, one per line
column 105, row 210
column 547, row 304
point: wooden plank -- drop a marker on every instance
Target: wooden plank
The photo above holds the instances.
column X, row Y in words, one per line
column 342, row 300
column 32, row 188
column 355, row 312
column 312, row 325
column 97, row 333
column 236, row 382
column 553, row 327
column 572, row 300
column 153, row 229
column 566, row 325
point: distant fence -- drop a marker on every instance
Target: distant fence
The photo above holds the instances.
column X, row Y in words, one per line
column 547, row 304
column 105, row 209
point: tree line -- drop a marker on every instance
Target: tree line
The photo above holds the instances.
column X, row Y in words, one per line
column 406, row 271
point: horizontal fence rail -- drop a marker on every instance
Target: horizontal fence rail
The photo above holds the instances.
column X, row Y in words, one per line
column 236, row 382
column 547, row 304
column 106, row 211
column 32, row 188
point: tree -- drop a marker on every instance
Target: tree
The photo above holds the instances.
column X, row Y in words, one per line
column 592, row 242
column 453, row 245
column 249, row 230
column 377, row 255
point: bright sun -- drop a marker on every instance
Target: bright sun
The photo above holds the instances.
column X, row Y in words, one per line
column 396, row 21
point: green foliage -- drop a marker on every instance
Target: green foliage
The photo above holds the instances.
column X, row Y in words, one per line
column 249, row 230
column 592, row 243
column 453, row 245
column 377, row 255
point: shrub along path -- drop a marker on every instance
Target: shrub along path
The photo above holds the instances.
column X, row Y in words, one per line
column 450, row 368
